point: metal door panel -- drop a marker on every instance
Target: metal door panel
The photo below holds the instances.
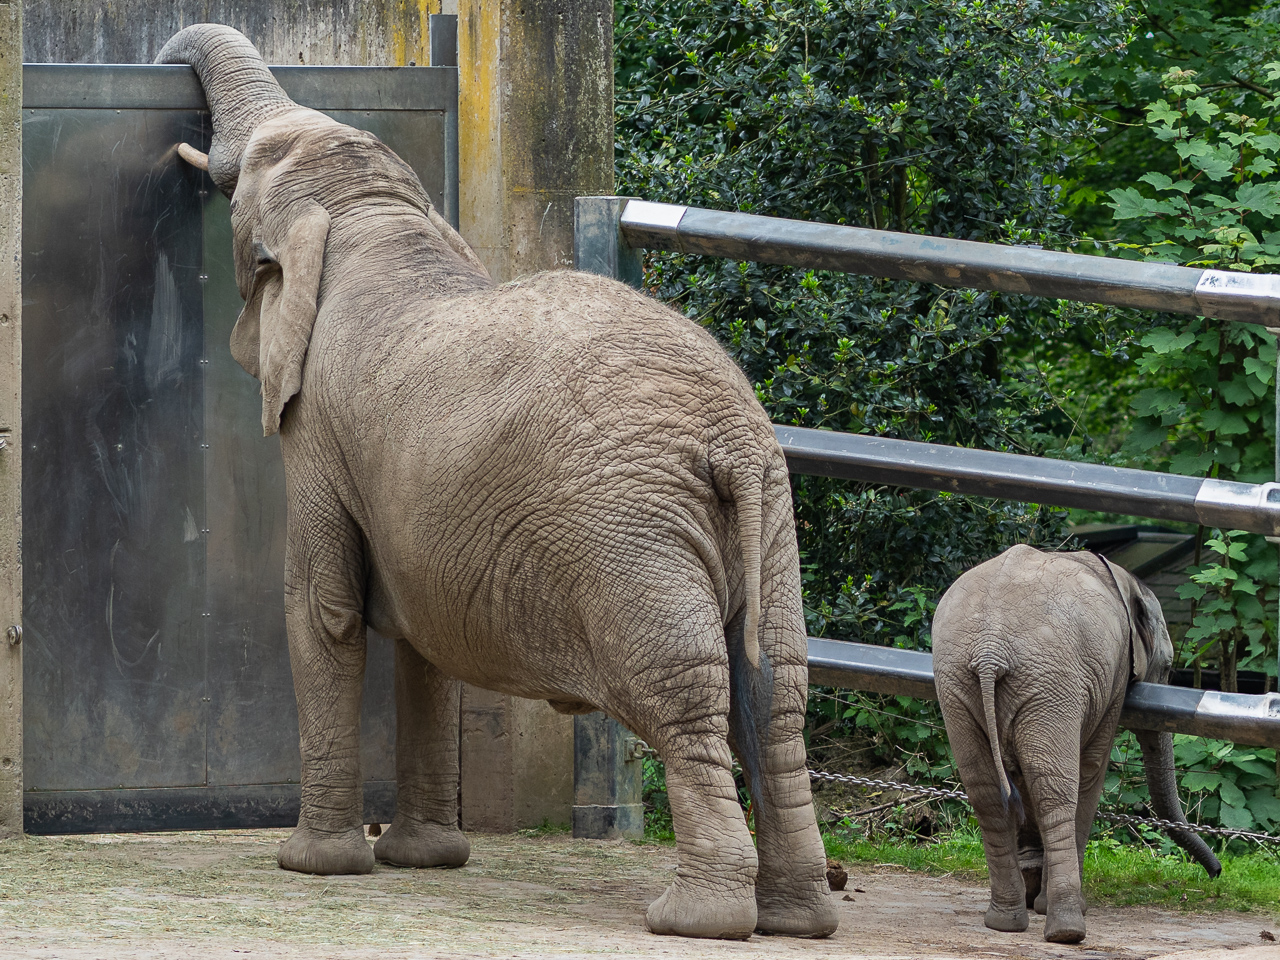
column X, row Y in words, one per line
column 112, row 476
column 159, row 694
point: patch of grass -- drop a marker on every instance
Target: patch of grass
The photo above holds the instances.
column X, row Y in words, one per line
column 958, row 853
column 1123, row 874
column 1114, row 873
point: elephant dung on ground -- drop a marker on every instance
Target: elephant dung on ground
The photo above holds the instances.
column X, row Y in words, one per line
column 556, row 488
column 1032, row 655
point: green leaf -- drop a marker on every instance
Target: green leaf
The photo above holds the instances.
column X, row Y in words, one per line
column 1253, row 766
column 1188, row 750
column 1164, row 340
column 1263, row 198
column 1231, row 794
column 1216, row 161
column 1129, row 204
column 1236, row 818
column 1197, row 780
column 1158, row 180
column 1264, row 803
column 1161, row 112
column 1203, row 107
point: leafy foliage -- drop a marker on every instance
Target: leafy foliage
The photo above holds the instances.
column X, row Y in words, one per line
column 1220, row 784
column 1209, row 407
column 940, row 117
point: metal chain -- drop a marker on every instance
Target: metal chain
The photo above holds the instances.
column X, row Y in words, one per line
column 639, row 749
column 889, row 785
column 1125, row 818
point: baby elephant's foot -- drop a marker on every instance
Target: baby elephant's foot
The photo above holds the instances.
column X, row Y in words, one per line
column 1006, row 921
column 688, row 911
column 809, row 915
column 1064, row 925
column 412, row 843
column 1031, row 878
column 313, row 851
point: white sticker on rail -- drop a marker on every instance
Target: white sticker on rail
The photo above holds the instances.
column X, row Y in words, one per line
column 644, row 213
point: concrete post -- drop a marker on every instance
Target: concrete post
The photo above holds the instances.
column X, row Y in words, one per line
column 10, row 419
column 535, row 131
column 536, row 115
column 608, row 775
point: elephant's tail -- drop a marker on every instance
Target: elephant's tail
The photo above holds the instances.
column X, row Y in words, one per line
column 750, row 672
column 750, row 503
column 988, row 673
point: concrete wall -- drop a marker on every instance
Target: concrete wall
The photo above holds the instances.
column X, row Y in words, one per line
column 320, row 32
column 536, row 125
column 10, row 418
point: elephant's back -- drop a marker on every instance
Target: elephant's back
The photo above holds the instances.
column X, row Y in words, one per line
column 577, row 367
column 1052, row 611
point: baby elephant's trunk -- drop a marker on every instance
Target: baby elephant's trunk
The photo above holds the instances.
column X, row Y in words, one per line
column 1162, row 784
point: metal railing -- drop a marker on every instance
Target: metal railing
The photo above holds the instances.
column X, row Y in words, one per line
column 610, row 232
column 1220, row 294
column 1241, row 717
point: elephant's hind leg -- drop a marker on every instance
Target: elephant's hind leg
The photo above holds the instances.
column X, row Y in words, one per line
column 1053, row 778
column 792, row 897
column 1007, row 911
column 324, row 594
column 685, row 717
column 425, row 830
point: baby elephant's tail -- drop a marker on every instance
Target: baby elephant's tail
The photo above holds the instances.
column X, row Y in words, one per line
column 988, row 673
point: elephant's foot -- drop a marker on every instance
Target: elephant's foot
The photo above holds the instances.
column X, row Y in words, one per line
column 792, row 914
column 312, row 851
column 1006, row 921
column 411, row 843
column 1064, row 925
column 1041, row 904
column 686, row 910
column 1031, row 879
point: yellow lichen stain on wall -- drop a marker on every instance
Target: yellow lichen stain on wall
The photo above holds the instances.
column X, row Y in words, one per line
column 481, row 208
column 425, row 9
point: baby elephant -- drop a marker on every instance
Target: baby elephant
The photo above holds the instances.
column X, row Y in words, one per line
column 1032, row 654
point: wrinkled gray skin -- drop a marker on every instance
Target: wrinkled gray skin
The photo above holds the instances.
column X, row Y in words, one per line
column 556, row 488
column 1032, row 655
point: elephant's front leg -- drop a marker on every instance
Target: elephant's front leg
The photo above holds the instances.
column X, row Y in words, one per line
column 324, row 576
column 425, row 830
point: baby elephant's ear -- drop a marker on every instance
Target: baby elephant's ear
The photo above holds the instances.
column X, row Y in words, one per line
column 1150, row 650
column 271, row 336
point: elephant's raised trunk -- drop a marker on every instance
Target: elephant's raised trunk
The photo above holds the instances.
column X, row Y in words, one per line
column 238, row 86
column 1162, row 784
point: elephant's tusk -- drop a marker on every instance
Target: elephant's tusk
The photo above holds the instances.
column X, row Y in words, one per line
column 193, row 156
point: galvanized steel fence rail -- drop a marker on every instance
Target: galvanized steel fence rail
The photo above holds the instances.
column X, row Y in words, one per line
column 611, row 232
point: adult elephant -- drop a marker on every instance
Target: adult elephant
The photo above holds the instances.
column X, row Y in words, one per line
column 556, row 488
column 1032, row 655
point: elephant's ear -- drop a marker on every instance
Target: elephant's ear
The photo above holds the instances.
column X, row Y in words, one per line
column 1148, row 635
column 271, row 336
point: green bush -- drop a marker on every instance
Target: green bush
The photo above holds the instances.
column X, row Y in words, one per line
column 937, row 117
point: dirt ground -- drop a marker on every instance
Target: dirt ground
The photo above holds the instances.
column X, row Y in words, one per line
column 220, row 896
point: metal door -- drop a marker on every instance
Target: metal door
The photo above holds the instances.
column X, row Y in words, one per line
column 157, row 684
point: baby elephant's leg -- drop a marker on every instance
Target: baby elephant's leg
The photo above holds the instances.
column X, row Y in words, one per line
column 1008, row 910
column 1053, row 780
